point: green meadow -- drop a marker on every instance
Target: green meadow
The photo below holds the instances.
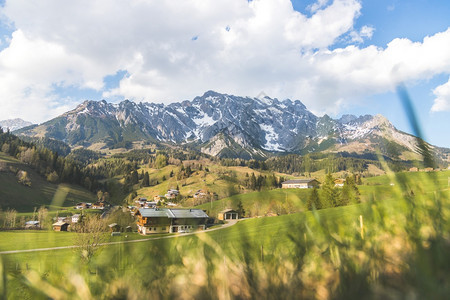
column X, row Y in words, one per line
column 41, row 192
column 394, row 243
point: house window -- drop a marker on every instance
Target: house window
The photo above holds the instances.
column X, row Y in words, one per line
column 163, row 228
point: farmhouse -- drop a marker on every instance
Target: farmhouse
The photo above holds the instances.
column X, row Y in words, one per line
column 165, row 220
column 200, row 194
column 83, row 205
column 76, row 218
column 300, row 184
column 32, row 225
column 339, row 182
column 172, row 194
column 228, row 214
column 60, row 226
column 100, row 205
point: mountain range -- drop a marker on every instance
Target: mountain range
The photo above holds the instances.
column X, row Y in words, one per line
column 226, row 126
column 14, row 124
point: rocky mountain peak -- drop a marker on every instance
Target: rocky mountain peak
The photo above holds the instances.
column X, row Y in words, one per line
column 14, row 124
column 218, row 124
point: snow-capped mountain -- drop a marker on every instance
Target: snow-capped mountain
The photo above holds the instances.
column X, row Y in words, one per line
column 220, row 125
column 14, row 124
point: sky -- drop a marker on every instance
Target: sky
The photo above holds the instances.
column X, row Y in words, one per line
column 337, row 57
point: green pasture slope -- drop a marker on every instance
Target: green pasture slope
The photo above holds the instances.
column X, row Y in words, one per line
column 25, row 199
column 258, row 203
column 269, row 232
column 383, row 187
column 395, row 242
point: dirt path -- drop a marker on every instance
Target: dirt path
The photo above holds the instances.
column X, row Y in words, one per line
column 230, row 223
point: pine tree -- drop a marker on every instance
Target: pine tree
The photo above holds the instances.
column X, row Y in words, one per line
column 314, row 200
column 146, row 180
column 240, row 209
column 330, row 192
column 134, row 177
column 350, row 192
column 252, row 184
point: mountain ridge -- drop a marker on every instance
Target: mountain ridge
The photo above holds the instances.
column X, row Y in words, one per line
column 223, row 125
column 14, row 124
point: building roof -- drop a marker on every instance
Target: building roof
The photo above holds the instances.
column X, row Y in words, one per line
column 32, row 223
column 294, row 181
column 172, row 213
column 227, row 210
column 60, row 223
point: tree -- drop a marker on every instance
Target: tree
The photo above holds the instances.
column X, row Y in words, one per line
column 252, row 184
column 53, row 177
column 42, row 216
column 146, row 180
column 100, row 195
column 330, row 192
column 22, row 177
column 161, row 161
column 134, row 177
column 122, row 218
column 10, row 218
column 91, row 234
column 240, row 209
column 314, row 200
column 350, row 192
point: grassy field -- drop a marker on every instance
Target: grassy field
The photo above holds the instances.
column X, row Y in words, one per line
column 25, row 199
column 219, row 179
column 294, row 200
column 262, row 203
column 396, row 243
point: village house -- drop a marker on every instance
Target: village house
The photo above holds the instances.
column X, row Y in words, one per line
column 100, row 205
column 158, row 198
column 228, row 214
column 76, row 218
column 339, row 182
column 172, row 194
column 414, row 169
column 300, row 184
column 60, row 226
column 32, row 225
column 139, row 202
column 61, row 219
column 83, row 205
column 200, row 194
column 150, row 204
column 166, row 220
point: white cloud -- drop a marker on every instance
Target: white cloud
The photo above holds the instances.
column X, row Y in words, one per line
column 318, row 5
column 442, row 101
column 366, row 32
column 241, row 48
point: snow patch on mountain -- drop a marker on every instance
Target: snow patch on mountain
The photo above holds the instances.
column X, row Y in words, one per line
column 271, row 138
column 14, row 124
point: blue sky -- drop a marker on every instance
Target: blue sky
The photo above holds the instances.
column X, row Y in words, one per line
column 338, row 57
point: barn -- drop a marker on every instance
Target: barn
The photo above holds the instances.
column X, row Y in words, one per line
column 228, row 214
column 60, row 226
column 300, row 184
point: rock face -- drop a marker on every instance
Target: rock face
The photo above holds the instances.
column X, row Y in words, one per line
column 220, row 125
column 14, row 124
